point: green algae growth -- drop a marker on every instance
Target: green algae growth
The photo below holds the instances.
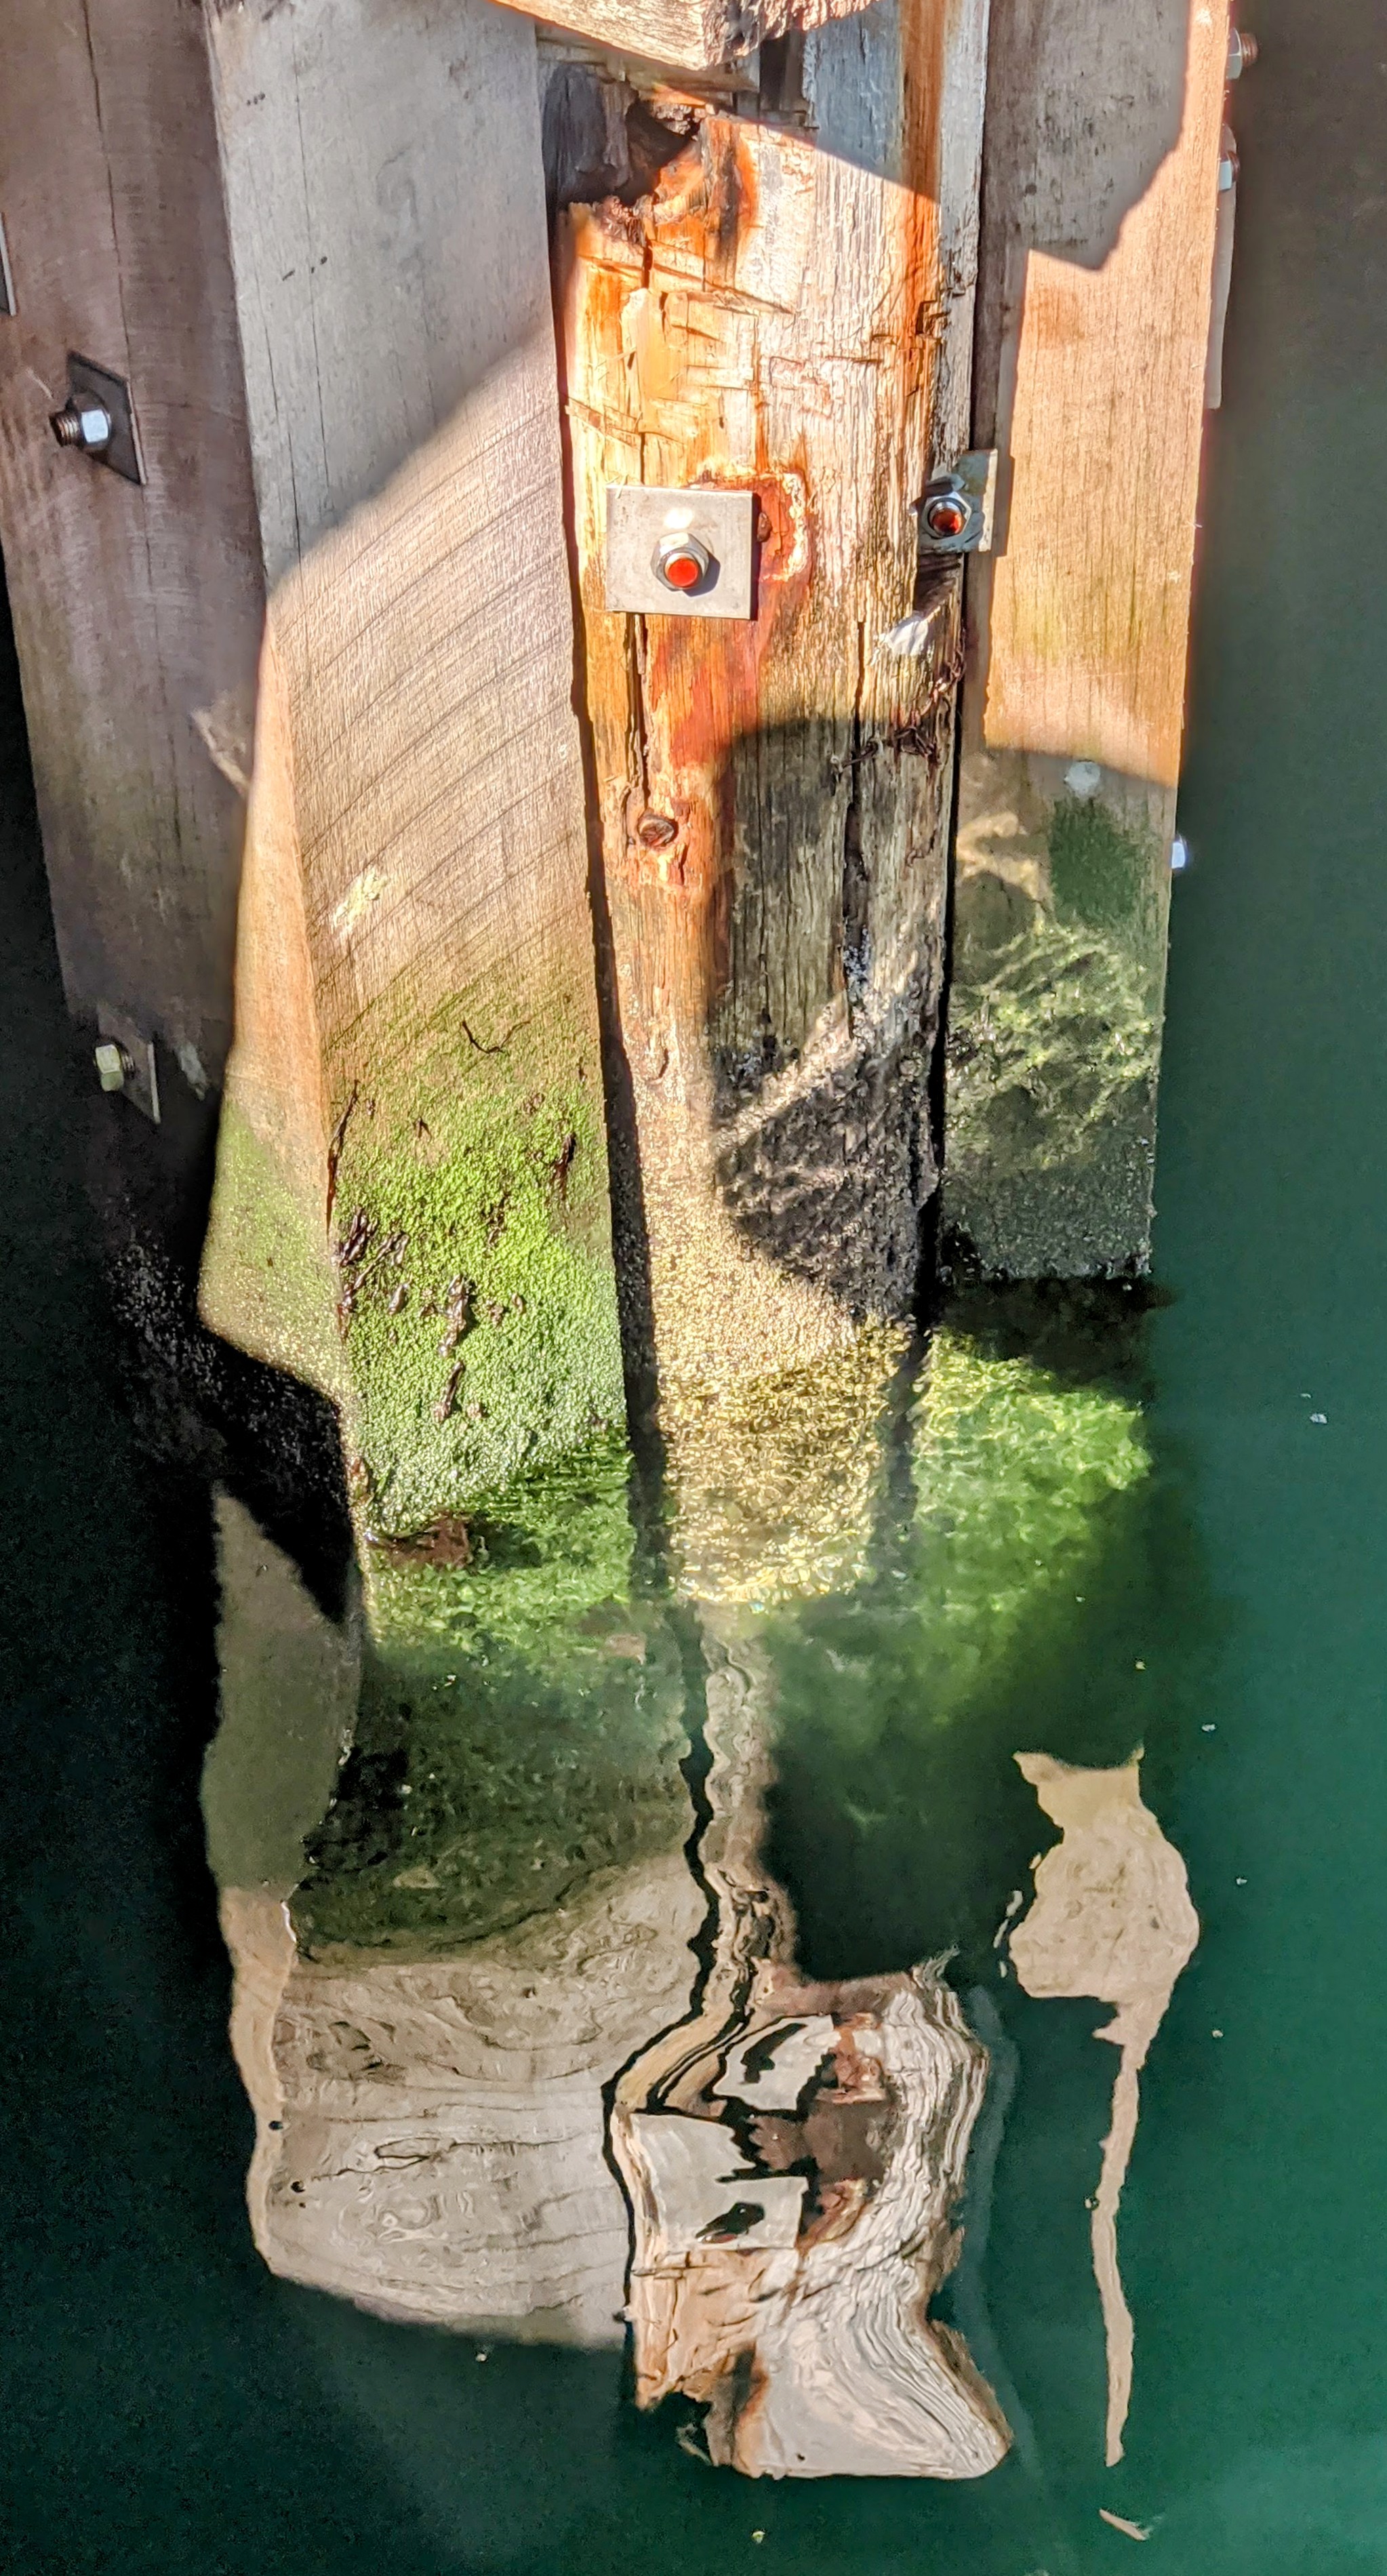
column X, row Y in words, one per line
column 520, row 1727
column 1054, row 1051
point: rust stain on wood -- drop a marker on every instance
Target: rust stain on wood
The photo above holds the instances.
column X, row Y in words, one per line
column 782, row 314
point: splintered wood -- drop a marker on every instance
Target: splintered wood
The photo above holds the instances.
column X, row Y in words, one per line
column 787, row 311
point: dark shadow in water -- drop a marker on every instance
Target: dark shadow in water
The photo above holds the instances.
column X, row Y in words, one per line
column 169, row 2415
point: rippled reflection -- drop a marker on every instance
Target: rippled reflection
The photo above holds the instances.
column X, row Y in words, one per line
column 624, row 1938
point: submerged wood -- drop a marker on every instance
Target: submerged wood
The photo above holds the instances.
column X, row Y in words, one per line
column 793, row 2153
column 1112, row 1917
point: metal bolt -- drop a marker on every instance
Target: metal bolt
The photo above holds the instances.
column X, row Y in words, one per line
column 946, row 514
column 656, row 831
column 82, row 423
column 1242, row 53
column 113, row 1065
column 682, row 562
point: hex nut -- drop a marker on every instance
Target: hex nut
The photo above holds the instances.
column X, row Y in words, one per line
column 682, row 561
column 82, row 423
column 946, row 514
column 112, row 1065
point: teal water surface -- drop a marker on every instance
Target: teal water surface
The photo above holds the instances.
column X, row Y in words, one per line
column 1137, row 1530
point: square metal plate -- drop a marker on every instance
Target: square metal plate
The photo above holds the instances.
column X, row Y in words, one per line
column 640, row 514
column 122, row 451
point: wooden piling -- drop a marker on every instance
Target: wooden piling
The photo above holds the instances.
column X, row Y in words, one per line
column 1100, row 207
column 787, row 310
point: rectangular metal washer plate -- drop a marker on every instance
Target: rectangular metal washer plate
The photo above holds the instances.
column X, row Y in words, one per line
column 122, row 453
column 640, row 514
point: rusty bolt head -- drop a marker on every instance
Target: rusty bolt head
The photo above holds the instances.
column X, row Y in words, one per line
column 656, row 831
column 946, row 514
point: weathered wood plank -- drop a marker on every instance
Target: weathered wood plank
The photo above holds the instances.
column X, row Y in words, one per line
column 788, row 310
column 1100, row 209
column 404, row 429
column 694, row 35
column 137, row 609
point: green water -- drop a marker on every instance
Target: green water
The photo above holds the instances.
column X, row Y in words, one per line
column 1128, row 1527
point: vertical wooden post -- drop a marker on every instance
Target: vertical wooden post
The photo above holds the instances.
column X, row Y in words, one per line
column 418, row 813
column 788, row 310
column 334, row 625
column 1099, row 215
column 137, row 608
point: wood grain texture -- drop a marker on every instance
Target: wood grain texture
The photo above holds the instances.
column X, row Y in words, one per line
column 1100, row 208
column 137, row 609
column 404, row 429
column 693, row 35
column 1103, row 276
column 788, row 310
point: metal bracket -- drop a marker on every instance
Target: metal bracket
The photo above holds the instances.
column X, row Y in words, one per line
column 93, row 391
column 648, row 568
column 125, row 1061
column 956, row 511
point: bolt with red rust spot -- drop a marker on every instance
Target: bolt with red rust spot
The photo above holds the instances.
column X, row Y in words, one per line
column 682, row 562
column 946, row 514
